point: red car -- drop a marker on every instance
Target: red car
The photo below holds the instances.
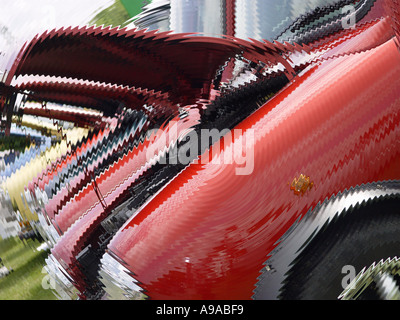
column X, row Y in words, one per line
column 224, row 168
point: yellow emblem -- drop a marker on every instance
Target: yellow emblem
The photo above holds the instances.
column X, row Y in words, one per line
column 301, row 185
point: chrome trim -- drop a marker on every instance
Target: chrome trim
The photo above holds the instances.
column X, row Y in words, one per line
column 51, row 234
column 36, row 203
column 60, row 282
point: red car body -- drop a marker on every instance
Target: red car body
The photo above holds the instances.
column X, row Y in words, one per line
column 208, row 233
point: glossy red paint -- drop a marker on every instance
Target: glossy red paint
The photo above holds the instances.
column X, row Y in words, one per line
column 80, row 201
column 207, row 235
column 165, row 62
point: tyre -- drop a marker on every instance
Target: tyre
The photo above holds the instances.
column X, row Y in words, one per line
column 363, row 235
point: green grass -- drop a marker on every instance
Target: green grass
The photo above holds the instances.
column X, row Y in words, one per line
column 25, row 282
